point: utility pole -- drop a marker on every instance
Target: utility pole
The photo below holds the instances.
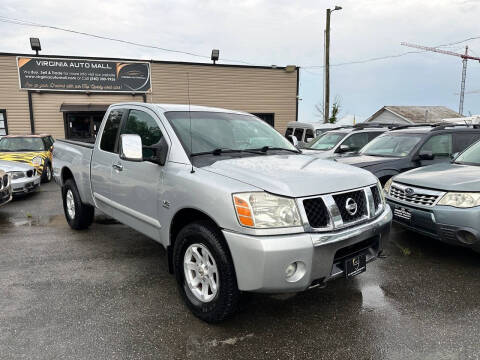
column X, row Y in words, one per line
column 326, row 92
column 464, row 57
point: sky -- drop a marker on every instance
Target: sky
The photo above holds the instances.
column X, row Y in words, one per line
column 279, row 32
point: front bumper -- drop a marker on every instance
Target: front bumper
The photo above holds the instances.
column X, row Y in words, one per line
column 5, row 195
column 25, row 185
column 260, row 261
column 445, row 223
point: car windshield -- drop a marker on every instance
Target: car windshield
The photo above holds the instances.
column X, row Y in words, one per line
column 203, row 131
column 327, row 141
column 471, row 156
column 21, row 144
column 391, row 145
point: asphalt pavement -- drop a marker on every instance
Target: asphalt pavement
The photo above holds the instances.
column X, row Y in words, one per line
column 105, row 293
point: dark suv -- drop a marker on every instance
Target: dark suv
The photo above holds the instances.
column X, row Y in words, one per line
column 411, row 146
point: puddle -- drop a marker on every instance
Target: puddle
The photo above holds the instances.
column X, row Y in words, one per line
column 55, row 220
column 373, row 297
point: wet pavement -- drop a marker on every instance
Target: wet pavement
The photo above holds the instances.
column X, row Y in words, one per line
column 105, row 293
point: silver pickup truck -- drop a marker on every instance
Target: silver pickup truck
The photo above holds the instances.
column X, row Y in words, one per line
column 237, row 207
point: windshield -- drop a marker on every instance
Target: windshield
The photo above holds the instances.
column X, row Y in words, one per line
column 21, row 144
column 213, row 130
column 391, row 145
column 470, row 156
column 327, row 141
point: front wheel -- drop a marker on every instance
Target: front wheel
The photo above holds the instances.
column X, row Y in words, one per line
column 205, row 273
column 79, row 215
column 47, row 173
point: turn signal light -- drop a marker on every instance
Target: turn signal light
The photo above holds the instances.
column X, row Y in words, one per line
column 243, row 212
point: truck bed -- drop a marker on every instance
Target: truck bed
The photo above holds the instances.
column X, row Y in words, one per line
column 77, row 156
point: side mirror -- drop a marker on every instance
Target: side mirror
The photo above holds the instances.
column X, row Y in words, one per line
column 308, row 139
column 160, row 152
column 426, row 155
column 294, row 140
column 131, row 147
column 344, row 148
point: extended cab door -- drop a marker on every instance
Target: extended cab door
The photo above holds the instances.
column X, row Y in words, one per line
column 136, row 186
column 104, row 156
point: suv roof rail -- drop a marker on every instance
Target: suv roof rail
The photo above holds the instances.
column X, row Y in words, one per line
column 360, row 126
column 436, row 126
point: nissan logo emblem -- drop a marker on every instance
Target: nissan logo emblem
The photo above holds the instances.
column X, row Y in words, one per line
column 351, row 206
column 409, row 191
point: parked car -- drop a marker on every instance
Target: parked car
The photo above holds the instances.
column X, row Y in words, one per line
column 35, row 150
column 338, row 142
column 24, row 178
column 237, row 207
column 408, row 147
column 441, row 201
column 306, row 132
column 5, row 188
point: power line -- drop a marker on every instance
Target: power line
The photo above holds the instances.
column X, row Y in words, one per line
column 29, row 23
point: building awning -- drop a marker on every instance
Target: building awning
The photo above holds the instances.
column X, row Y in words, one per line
column 83, row 107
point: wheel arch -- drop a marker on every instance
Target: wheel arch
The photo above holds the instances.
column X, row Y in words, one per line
column 182, row 218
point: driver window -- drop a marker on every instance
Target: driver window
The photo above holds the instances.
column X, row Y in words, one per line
column 356, row 141
column 439, row 145
column 140, row 123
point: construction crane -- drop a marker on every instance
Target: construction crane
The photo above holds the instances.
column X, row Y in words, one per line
column 465, row 57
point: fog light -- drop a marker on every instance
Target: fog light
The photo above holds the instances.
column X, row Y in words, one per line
column 290, row 271
column 295, row 271
column 466, row 237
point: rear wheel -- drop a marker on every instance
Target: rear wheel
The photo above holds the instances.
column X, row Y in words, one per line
column 79, row 215
column 205, row 273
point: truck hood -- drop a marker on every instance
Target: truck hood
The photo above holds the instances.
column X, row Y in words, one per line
column 364, row 161
column 318, row 154
column 293, row 175
column 444, row 176
column 8, row 166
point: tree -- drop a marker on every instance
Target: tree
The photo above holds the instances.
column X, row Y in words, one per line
column 334, row 112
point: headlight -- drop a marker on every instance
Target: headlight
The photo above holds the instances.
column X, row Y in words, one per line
column 380, row 191
column 263, row 210
column 386, row 187
column 17, row 174
column 37, row 161
column 460, row 200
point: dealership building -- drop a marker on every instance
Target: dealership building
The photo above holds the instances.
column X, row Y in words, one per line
column 67, row 96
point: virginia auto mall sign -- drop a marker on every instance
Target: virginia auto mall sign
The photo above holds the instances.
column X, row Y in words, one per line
column 49, row 74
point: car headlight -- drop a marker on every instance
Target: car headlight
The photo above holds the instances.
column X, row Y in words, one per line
column 460, row 200
column 37, row 161
column 16, row 174
column 263, row 210
column 380, row 191
column 388, row 184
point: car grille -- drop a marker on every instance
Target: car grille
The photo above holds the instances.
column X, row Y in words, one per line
column 29, row 173
column 359, row 198
column 417, row 198
column 317, row 212
column 377, row 200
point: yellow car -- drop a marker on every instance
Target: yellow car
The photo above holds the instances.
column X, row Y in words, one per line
column 35, row 150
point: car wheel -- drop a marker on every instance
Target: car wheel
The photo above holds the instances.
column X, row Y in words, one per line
column 47, row 173
column 205, row 273
column 79, row 215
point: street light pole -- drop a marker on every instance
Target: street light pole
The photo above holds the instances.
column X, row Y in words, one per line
column 326, row 101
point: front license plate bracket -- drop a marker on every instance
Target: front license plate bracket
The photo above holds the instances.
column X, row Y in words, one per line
column 355, row 265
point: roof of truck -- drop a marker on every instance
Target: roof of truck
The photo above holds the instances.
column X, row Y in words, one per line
column 180, row 107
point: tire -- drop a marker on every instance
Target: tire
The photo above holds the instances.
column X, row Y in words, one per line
column 224, row 302
column 47, row 173
column 82, row 215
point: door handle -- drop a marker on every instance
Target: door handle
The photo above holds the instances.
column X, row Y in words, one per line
column 118, row 166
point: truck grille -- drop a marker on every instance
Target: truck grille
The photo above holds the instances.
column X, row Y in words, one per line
column 418, row 197
column 317, row 212
column 359, row 198
column 377, row 200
